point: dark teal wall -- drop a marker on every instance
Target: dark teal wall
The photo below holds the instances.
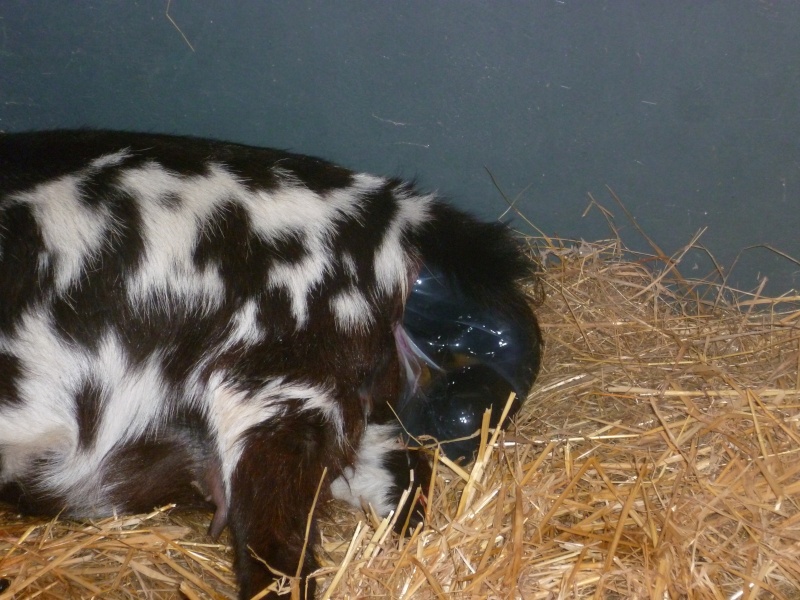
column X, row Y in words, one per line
column 689, row 110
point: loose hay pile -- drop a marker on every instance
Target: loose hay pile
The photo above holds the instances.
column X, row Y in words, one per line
column 659, row 456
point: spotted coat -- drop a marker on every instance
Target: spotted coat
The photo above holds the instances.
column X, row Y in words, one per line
column 191, row 321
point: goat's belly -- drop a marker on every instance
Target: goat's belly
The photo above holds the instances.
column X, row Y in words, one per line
column 130, row 478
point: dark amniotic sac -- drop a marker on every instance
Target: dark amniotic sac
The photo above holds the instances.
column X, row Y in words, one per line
column 463, row 357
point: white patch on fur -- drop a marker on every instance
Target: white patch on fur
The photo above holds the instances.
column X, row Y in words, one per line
column 350, row 197
column 392, row 263
column 133, row 407
column 232, row 412
column 368, row 480
column 44, row 424
column 135, row 395
column 294, row 210
column 366, row 182
column 351, row 310
column 244, row 326
column 70, row 229
column 297, row 211
column 109, row 160
column 43, row 421
column 291, row 210
column 171, row 232
column 349, row 265
column 299, row 279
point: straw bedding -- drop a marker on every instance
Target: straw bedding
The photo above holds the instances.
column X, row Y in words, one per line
column 657, row 457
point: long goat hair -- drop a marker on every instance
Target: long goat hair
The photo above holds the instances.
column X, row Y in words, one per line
column 217, row 325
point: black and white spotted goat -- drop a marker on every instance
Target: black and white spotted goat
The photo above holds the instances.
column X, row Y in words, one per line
column 211, row 324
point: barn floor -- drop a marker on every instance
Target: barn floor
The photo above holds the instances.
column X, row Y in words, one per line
column 657, row 457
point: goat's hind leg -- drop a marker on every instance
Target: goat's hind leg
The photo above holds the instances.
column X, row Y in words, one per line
column 272, row 495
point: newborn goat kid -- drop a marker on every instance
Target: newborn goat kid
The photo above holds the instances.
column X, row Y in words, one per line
column 191, row 321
